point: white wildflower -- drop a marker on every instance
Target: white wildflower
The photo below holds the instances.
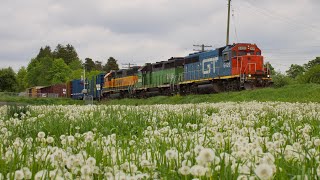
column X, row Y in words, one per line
column 41, row 135
column 207, row 155
column 184, row 170
column 264, row 171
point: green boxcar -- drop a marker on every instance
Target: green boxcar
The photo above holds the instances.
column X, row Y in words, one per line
column 162, row 73
column 166, row 76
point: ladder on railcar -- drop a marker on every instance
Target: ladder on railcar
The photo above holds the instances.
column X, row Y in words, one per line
column 242, row 80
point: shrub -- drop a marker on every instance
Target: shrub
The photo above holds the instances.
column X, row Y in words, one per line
column 311, row 76
column 280, row 80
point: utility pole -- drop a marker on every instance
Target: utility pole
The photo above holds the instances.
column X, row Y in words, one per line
column 202, row 47
column 228, row 24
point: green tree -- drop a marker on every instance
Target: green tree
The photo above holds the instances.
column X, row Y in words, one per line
column 59, row 72
column 22, row 83
column 46, row 52
column 312, row 63
column 92, row 74
column 38, row 71
column 89, row 64
column 295, row 70
column 98, row 65
column 76, row 74
column 311, row 76
column 67, row 53
column 8, row 81
column 76, row 64
column 111, row 65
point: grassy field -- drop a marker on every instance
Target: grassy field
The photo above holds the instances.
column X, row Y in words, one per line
column 246, row 140
column 291, row 93
column 205, row 141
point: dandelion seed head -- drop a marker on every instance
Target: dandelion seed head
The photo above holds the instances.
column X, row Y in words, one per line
column 207, row 155
column 184, row 170
column 18, row 175
column 41, row 134
column 264, row 171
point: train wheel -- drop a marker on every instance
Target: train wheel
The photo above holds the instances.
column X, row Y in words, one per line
column 217, row 88
column 248, row 86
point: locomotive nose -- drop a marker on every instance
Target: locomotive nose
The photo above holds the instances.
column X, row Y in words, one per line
column 253, row 64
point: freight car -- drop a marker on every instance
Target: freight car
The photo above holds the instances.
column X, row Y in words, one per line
column 120, row 84
column 54, row 91
column 77, row 88
column 160, row 78
column 95, row 86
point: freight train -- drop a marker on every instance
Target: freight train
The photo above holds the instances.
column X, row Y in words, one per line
column 233, row 67
column 229, row 68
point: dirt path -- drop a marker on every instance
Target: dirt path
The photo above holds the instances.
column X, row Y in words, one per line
column 11, row 103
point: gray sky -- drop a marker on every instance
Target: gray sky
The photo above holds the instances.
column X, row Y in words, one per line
column 139, row 31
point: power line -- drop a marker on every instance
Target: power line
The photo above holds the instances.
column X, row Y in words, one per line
column 288, row 19
column 276, row 16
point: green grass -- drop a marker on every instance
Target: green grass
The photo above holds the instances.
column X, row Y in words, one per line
column 7, row 99
column 290, row 93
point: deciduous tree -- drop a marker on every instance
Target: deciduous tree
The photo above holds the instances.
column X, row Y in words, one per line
column 312, row 63
column 89, row 64
column 111, row 65
column 22, row 83
column 8, row 81
column 59, row 72
column 295, row 70
column 98, row 65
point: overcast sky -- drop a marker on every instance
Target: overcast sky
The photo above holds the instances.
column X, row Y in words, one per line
column 140, row 31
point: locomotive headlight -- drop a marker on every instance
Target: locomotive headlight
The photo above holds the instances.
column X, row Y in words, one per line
column 249, row 75
column 268, row 75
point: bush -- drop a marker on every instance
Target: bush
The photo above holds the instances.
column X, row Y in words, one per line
column 311, row 76
column 280, row 80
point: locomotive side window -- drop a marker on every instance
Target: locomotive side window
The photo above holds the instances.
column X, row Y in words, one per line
column 259, row 53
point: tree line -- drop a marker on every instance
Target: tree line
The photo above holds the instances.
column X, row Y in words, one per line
column 306, row 73
column 52, row 67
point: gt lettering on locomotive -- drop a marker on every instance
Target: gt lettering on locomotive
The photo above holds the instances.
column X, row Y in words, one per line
column 208, row 65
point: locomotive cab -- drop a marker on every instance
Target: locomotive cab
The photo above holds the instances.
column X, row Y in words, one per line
column 247, row 63
column 246, row 60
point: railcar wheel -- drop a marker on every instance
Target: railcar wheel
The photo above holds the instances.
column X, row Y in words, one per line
column 217, row 88
column 249, row 86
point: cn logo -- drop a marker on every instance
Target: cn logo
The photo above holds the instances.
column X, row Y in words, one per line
column 209, row 65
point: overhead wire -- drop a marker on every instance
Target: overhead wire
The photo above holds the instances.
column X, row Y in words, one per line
column 258, row 11
column 284, row 18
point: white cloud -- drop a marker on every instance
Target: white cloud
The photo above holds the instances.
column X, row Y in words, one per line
column 147, row 31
